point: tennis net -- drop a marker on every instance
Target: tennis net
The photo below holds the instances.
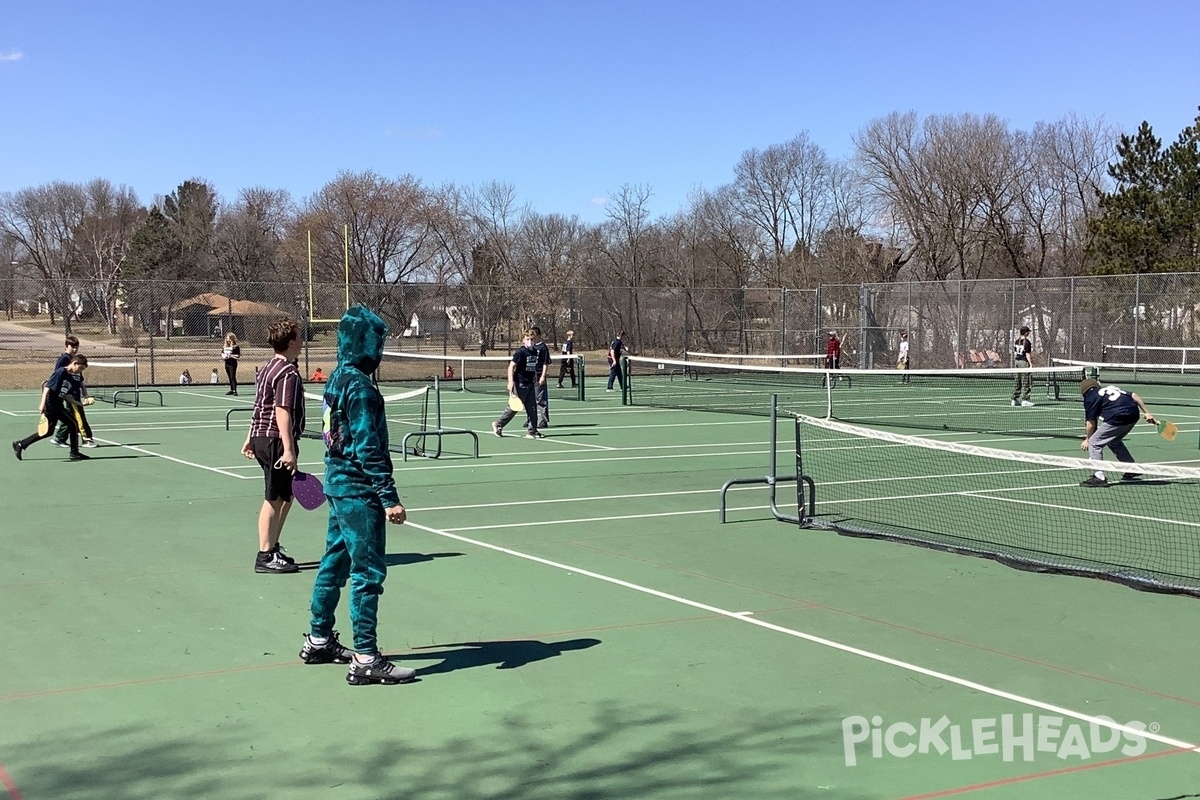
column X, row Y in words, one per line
column 972, row 400
column 1022, row 509
column 483, row 374
column 1174, row 374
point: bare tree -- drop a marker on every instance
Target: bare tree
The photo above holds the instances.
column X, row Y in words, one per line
column 102, row 243
column 624, row 246
column 43, row 221
column 784, row 191
column 249, row 234
column 388, row 240
column 472, row 230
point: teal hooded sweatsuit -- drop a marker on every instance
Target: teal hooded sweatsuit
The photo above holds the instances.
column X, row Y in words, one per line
column 358, row 482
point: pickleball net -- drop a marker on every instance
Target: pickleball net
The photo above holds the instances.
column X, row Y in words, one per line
column 1022, row 509
column 481, row 374
column 1134, row 373
column 969, row 400
column 406, row 412
column 117, row 381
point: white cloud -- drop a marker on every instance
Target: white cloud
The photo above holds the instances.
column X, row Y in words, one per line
column 11, row 55
column 599, row 202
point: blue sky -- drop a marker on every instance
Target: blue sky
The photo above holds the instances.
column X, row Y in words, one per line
column 566, row 101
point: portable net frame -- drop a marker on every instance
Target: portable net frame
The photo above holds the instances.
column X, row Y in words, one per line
column 407, row 414
column 1025, row 510
column 970, row 400
column 481, row 374
column 116, row 382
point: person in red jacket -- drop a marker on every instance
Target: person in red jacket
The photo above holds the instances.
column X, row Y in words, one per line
column 833, row 351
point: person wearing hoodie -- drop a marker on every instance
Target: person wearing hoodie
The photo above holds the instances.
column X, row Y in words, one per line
column 362, row 500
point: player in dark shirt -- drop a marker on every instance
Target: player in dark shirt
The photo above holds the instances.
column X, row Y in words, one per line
column 1110, row 413
column 63, row 391
column 568, row 363
column 615, row 350
column 62, row 434
column 542, row 391
column 523, row 372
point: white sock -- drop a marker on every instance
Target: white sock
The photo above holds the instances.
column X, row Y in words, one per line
column 318, row 640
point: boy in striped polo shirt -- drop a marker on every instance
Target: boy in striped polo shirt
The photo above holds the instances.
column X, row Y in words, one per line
column 274, row 440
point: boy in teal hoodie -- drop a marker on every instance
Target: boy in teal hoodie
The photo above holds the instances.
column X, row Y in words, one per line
column 362, row 499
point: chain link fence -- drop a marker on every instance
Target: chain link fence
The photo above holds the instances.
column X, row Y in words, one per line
column 172, row 326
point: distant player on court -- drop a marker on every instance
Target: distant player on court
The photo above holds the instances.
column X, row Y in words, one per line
column 61, row 395
column 1110, row 413
column 902, row 355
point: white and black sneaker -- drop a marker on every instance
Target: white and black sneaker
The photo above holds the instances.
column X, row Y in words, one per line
column 273, row 562
column 279, row 551
column 380, row 670
column 331, row 652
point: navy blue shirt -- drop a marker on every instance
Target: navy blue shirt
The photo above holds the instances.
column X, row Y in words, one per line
column 1112, row 404
column 528, row 365
column 63, row 360
column 63, row 384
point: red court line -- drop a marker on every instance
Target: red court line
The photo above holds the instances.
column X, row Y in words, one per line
column 1116, row 762
column 13, row 792
column 897, row 626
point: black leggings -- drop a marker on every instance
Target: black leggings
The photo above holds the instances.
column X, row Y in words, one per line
column 55, row 416
column 231, row 374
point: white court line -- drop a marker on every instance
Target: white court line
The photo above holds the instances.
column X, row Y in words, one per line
column 614, row 518
column 137, row 449
column 219, row 397
column 10, row 413
column 605, row 498
column 808, row 637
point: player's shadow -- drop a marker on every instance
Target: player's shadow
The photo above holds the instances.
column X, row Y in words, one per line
column 558, row 426
column 391, row 559
column 404, row 559
column 504, row 654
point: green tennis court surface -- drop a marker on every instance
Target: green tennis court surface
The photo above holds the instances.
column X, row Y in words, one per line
column 581, row 624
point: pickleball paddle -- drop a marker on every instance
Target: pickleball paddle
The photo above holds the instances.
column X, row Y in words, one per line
column 307, row 490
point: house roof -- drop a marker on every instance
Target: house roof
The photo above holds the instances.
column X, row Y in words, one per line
column 247, row 308
column 205, row 299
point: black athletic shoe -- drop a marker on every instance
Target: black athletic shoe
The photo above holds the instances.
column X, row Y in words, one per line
column 18, row 451
column 378, row 671
column 1095, row 482
column 331, row 652
column 78, row 456
column 279, row 551
column 1132, row 476
column 271, row 562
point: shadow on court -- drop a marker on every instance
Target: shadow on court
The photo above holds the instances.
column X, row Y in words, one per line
column 391, row 559
column 504, row 654
column 615, row 752
column 404, row 559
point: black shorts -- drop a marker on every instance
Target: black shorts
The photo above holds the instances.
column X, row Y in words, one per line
column 277, row 480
